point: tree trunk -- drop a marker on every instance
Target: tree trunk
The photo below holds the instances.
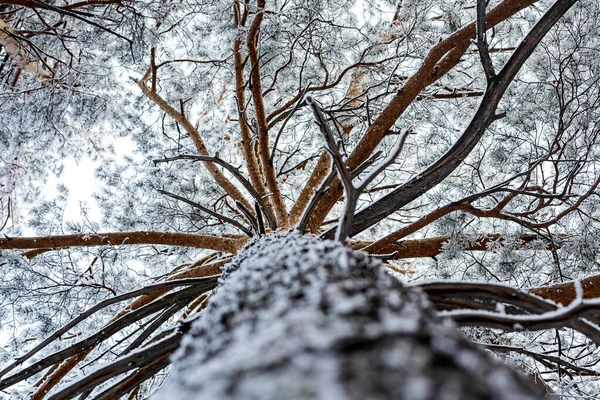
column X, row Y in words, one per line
column 298, row 318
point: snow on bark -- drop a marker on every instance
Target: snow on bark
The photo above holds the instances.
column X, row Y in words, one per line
column 294, row 317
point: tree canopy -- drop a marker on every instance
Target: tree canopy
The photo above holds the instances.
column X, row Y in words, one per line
column 456, row 141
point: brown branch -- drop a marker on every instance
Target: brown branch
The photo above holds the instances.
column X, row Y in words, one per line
column 441, row 59
column 565, row 293
column 85, row 345
column 254, row 171
column 430, row 247
column 134, row 380
column 559, row 318
column 482, row 44
column 259, row 108
column 379, row 245
column 193, row 133
column 124, row 238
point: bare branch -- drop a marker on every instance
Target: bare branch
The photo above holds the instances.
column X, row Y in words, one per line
column 484, row 116
column 123, row 239
column 215, row 214
column 482, row 44
column 236, row 173
column 209, row 282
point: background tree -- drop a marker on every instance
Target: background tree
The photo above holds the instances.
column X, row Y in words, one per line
column 465, row 142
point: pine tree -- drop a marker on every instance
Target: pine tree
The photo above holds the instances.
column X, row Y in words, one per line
column 460, row 136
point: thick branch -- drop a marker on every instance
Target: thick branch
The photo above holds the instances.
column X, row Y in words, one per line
column 124, row 238
column 482, row 119
column 254, row 171
column 430, row 247
column 565, row 293
column 259, row 107
column 441, row 59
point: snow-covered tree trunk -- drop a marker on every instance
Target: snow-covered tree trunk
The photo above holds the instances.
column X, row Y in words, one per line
column 294, row 317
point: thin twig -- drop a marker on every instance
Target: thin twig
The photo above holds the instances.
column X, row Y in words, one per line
column 215, row 214
column 236, row 173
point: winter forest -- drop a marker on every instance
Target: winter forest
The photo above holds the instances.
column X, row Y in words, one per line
column 299, row 199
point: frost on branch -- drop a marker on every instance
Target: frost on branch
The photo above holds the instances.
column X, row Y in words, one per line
column 294, row 317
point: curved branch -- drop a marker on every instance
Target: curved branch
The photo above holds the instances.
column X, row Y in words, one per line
column 483, row 118
column 441, row 59
column 136, row 360
column 193, row 133
column 106, row 332
column 207, row 210
column 236, row 173
column 209, row 281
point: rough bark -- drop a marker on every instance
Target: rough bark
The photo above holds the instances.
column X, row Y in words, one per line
column 298, row 318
